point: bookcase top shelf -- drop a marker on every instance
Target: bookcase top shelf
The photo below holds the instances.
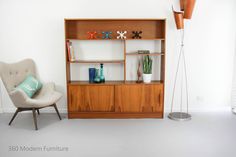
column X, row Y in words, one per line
column 113, row 19
column 152, row 29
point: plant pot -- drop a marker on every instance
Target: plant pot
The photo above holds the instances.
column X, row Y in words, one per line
column 147, row 78
column 188, row 8
column 179, row 19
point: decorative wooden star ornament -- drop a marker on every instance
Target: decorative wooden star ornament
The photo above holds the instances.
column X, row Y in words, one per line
column 137, row 34
column 106, row 35
column 121, row 34
column 92, row 35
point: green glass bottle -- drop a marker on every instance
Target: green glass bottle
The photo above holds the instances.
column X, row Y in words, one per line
column 102, row 77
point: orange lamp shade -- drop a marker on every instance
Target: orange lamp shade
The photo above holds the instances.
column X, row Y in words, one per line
column 188, row 8
column 182, row 4
column 179, row 19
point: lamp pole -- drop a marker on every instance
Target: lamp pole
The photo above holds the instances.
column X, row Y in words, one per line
column 187, row 7
column 181, row 65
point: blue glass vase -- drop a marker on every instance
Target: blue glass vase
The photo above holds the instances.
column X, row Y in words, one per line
column 92, row 72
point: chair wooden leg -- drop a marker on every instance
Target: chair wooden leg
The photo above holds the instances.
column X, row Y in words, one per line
column 17, row 110
column 35, row 120
column 55, row 106
column 38, row 111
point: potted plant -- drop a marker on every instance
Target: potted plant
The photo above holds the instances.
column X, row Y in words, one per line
column 147, row 69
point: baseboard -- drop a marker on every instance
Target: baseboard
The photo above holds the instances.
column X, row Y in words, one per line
column 44, row 110
column 167, row 110
column 205, row 109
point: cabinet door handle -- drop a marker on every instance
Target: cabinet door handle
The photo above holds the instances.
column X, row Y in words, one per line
column 71, row 99
column 119, row 109
column 88, row 108
column 143, row 109
column 113, row 108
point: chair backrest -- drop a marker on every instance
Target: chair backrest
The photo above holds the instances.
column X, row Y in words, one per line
column 13, row 74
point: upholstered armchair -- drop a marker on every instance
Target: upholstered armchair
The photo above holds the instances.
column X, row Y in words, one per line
column 13, row 74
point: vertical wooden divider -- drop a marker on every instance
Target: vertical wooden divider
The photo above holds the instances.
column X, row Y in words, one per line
column 124, row 60
column 67, row 62
column 67, row 57
column 163, row 60
column 163, row 57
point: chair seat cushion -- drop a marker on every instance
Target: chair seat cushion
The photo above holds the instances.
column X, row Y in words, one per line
column 44, row 99
column 30, row 86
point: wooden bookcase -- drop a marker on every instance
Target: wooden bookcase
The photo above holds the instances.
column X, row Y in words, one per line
column 116, row 99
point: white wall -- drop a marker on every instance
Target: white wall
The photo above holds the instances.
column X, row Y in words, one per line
column 35, row 29
column 233, row 94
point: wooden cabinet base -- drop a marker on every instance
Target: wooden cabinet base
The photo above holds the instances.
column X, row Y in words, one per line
column 101, row 115
column 116, row 100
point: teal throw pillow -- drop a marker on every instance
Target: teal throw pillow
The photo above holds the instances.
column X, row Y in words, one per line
column 30, row 85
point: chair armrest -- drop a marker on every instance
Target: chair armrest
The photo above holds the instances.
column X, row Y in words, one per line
column 18, row 97
column 49, row 86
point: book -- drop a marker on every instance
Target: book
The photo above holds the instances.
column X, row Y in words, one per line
column 70, row 51
column 143, row 51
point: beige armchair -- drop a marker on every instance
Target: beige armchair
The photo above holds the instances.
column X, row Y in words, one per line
column 13, row 74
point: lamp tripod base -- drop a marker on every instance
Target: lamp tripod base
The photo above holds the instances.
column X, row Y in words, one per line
column 179, row 116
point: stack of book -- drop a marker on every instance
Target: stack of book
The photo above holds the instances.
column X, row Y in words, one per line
column 143, row 51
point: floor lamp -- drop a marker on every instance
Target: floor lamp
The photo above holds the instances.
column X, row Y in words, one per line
column 185, row 13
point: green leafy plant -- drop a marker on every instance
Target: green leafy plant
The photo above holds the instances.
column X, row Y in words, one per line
column 147, row 65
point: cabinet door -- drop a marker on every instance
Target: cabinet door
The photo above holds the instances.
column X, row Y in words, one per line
column 91, row 98
column 139, row 98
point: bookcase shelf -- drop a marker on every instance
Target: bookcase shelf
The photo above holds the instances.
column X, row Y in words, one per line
column 111, row 83
column 141, row 54
column 116, row 98
column 97, row 61
column 115, row 39
column 88, row 83
column 147, row 39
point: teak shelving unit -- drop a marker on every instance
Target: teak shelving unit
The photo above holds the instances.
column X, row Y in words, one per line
column 116, row 99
